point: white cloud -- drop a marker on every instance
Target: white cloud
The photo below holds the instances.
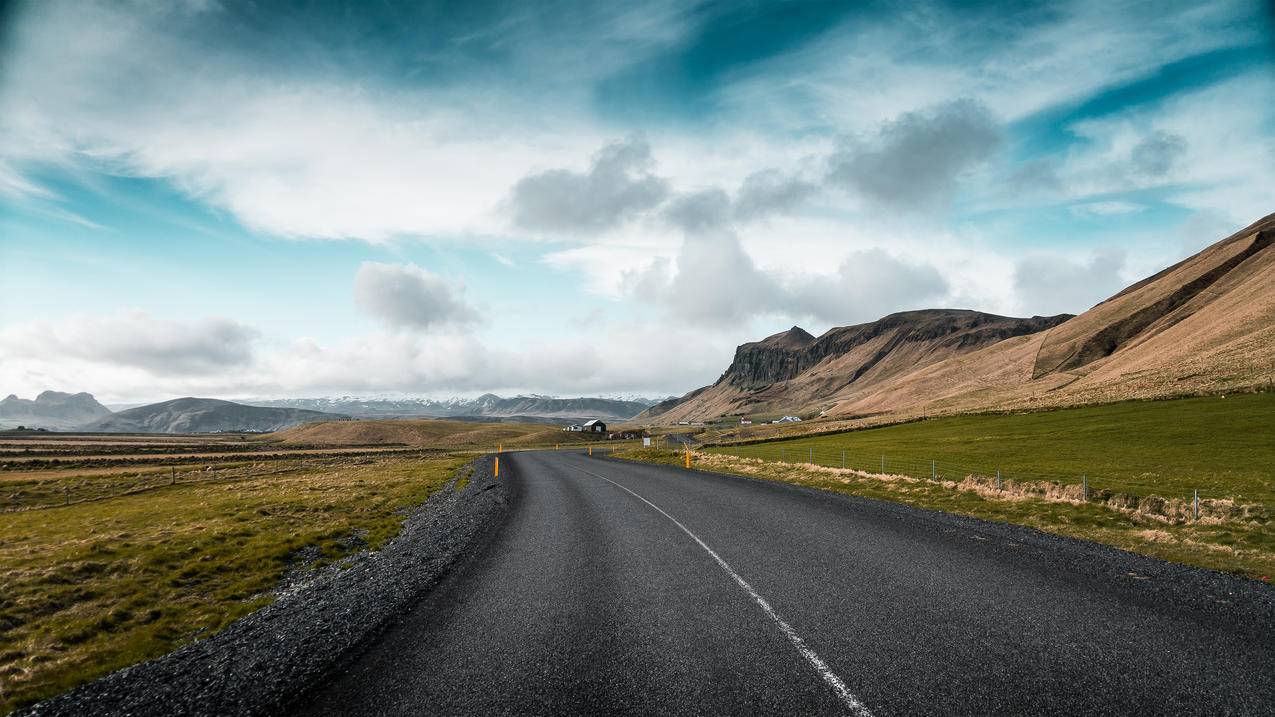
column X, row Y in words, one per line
column 630, row 357
column 134, row 340
column 1048, row 285
column 408, row 297
column 917, row 159
column 618, row 185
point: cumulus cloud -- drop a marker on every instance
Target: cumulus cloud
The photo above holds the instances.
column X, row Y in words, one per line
column 405, row 296
column 1048, row 285
column 1157, row 153
column 918, row 158
column 702, row 211
column 714, row 282
column 135, row 339
column 618, row 184
column 868, row 284
column 771, row 192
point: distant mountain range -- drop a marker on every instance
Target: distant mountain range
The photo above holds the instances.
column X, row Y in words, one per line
column 64, row 411
column 488, row 406
column 1204, row 325
column 51, row 409
column 204, row 415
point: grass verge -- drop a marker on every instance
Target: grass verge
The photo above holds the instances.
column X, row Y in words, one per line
column 94, row 586
column 1244, row 546
column 1225, row 447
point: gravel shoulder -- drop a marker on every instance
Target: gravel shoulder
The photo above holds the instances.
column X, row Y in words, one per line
column 262, row 662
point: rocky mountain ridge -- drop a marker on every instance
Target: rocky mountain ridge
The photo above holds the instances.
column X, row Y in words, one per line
column 50, row 409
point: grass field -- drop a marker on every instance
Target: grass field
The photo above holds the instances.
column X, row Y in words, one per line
column 109, row 579
column 1225, row 447
column 1244, row 546
column 1142, row 463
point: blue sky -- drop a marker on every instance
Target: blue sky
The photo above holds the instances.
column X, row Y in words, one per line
column 271, row 199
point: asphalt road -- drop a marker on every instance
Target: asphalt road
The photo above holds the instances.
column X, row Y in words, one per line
column 624, row 588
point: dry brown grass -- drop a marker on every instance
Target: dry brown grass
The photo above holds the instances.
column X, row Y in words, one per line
column 427, row 432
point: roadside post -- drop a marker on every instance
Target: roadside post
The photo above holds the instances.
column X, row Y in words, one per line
column 1084, row 487
column 688, row 455
column 843, row 458
column 1195, row 510
column 590, row 450
column 998, row 479
column 496, row 472
column 811, row 455
column 934, row 470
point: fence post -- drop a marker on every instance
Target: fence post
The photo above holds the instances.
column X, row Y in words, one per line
column 934, row 471
column 1196, row 504
column 998, row 479
column 843, row 458
column 1084, row 487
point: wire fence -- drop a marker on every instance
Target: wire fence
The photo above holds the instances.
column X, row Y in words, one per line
column 54, row 482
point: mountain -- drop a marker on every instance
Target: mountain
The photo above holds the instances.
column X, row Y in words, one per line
column 51, row 409
column 794, row 371
column 537, row 409
column 1204, row 325
column 204, row 415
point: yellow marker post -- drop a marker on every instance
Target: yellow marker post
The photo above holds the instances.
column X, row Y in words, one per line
column 500, row 448
column 497, row 471
column 590, row 450
column 688, row 456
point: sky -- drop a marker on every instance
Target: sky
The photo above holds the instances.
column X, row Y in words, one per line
column 252, row 199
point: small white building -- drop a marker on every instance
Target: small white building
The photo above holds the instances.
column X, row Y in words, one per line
column 787, row 419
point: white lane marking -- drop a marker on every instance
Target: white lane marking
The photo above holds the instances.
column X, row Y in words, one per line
column 811, row 656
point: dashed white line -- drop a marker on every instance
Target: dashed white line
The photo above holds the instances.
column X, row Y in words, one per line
column 838, row 686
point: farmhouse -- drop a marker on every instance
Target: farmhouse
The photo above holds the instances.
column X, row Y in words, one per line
column 595, row 426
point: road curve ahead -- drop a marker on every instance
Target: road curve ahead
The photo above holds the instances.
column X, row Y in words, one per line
column 624, row 588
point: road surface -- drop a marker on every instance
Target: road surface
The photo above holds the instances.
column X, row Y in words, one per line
column 625, row 588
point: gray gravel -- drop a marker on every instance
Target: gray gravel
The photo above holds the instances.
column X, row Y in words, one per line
column 260, row 663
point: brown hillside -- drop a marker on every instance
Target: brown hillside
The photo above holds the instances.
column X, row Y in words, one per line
column 793, row 371
column 1204, row 325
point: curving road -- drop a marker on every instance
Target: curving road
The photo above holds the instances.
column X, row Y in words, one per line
column 624, row 588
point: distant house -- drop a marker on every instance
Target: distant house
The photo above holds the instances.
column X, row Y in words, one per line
column 594, row 426
column 745, row 422
column 575, row 427
column 787, row 419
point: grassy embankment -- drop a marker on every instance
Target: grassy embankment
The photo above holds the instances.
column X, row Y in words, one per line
column 99, row 584
column 1142, row 462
